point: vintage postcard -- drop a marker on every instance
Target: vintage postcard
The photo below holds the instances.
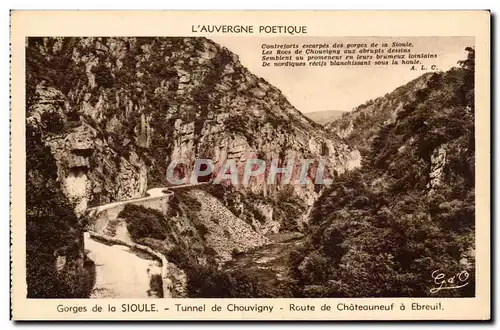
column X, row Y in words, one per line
column 250, row 165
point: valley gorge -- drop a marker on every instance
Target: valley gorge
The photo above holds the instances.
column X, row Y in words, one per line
column 106, row 116
column 115, row 111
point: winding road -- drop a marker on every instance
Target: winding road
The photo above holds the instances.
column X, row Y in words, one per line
column 150, row 194
column 119, row 272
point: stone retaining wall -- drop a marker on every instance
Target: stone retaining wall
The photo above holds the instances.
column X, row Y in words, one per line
column 102, row 215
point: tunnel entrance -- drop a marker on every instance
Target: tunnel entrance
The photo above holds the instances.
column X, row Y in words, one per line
column 204, row 178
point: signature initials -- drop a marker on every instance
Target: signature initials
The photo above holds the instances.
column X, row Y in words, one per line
column 456, row 281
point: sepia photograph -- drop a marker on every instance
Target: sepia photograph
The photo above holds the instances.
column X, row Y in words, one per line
column 304, row 172
column 157, row 167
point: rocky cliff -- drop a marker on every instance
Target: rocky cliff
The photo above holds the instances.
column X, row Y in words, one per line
column 117, row 110
column 56, row 264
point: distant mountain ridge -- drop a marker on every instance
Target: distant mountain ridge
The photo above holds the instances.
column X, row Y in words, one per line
column 324, row 117
column 359, row 126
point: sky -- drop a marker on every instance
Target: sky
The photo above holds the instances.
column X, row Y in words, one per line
column 312, row 89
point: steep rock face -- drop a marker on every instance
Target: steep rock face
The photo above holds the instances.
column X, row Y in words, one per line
column 89, row 171
column 135, row 104
column 56, row 265
column 438, row 162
